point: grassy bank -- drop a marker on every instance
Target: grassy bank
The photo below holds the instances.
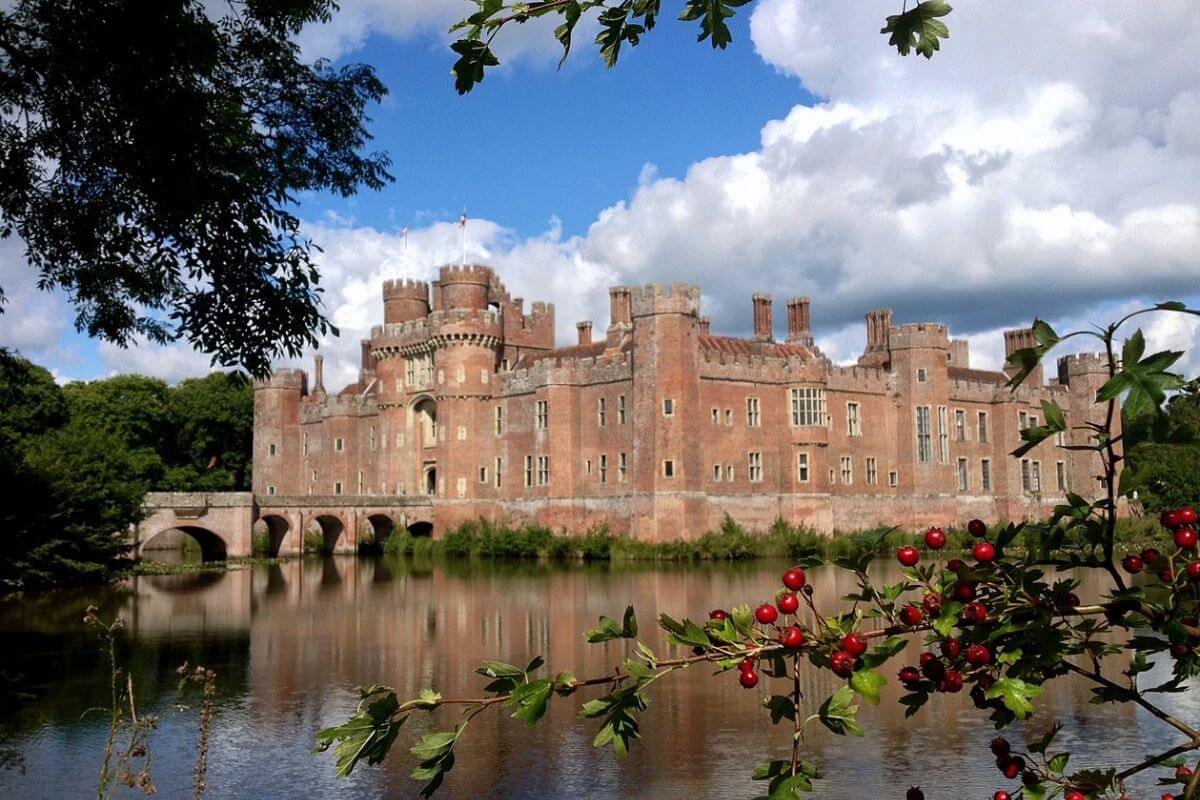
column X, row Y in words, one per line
column 731, row 542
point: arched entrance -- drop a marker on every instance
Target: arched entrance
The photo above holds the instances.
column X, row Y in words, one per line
column 421, row 528
column 269, row 532
column 184, row 544
column 429, row 480
column 323, row 534
column 425, row 420
column 374, row 531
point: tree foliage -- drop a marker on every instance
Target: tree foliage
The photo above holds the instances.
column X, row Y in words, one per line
column 625, row 22
column 151, row 157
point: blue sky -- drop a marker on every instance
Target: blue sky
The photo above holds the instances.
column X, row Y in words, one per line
column 1054, row 174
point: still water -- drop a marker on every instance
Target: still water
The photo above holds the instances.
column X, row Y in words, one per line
column 292, row 642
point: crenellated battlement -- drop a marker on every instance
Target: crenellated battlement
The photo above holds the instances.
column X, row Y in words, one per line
column 1081, row 364
column 295, row 379
column 405, row 287
column 655, row 298
column 914, row 335
column 570, row 371
column 476, row 274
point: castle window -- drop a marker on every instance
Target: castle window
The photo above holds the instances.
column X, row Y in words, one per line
column 587, row 466
column 729, row 416
column 1061, row 439
column 983, row 427
column 314, row 476
column 853, row 420
column 399, row 488
column 542, row 414
column 399, row 385
column 668, row 468
column 1060, row 471
column 462, row 433
column 668, row 407
column 960, row 425
column 1022, row 420
column 271, row 449
column 460, row 376
column 1037, row 476
column 893, row 478
column 410, row 372
column 832, row 478
column 600, row 411
column 1026, row 475
column 372, row 436
column 717, row 472
column 985, row 475
column 441, row 376
column 304, row 443
column 360, row 482
column 620, row 409
column 872, row 472
column 716, row 416
column 921, row 375
column 924, row 442
column 752, row 417
column 483, row 376
column 603, row 468
column 339, row 444
column 755, row 469
column 498, row 420
column 498, row 471
column 543, row 470
column 621, row 467
column 847, row 470
column 943, row 435
column 802, row 467
column 337, row 488
column 504, row 364
column 528, row 471
column 962, row 475
column 271, row 489
column 729, row 472
column 483, row 474
column 460, row 487
column 808, row 407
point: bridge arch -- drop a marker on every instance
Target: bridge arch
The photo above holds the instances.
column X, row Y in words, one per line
column 270, row 532
column 213, row 546
column 374, row 529
column 420, row 527
column 324, row 533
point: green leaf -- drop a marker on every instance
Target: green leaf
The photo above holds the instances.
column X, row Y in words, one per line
column 563, row 33
column 1059, row 763
column 1143, row 381
column 1016, row 694
column 712, row 15
column 781, row 708
column 436, row 754
column 867, row 683
column 474, row 57
column 531, row 700
column 369, row 734
column 838, row 713
column 609, row 629
column 919, row 28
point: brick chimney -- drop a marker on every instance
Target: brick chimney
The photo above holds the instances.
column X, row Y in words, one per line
column 879, row 326
column 585, row 331
column 366, row 362
column 762, row 318
column 704, row 323
column 318, row 374
column 619, row 310
column 1021, row 339
column 799, row 326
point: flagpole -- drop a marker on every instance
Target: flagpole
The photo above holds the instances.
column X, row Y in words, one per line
column 404, row 236
column 462, row 223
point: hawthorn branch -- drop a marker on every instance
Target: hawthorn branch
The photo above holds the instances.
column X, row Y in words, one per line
column 1154, row 710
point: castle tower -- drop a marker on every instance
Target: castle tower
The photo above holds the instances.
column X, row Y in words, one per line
column 1083, row 375
column 277, row 451
column 1021, row 339
column 917, row 354
column 405, row 301
column 666, row 410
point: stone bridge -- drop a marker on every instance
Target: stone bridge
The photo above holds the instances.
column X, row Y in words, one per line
column 226, row 524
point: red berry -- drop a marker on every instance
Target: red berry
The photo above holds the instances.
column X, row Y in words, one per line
column 766, row 614
column 1074, row 794
column 1170, row 518
column 932, row 603
column 932, row 667
column 951, row 648
column 792, row 637
column 978, row 655
column 1193, row 570
column 909, row 675
column 1168, row 796
column 977, row 528
column 788, row 603
column 748, row 678
column 964, row 590
column 747, row 663
column 1132, row 564
column 794, row 579
column 935, row 538
column 1186, row 515
column 1185, row 538
column 952, row 683
column 983, row 552
column 908, row 556
column 842, row 663
column 1000, row 746
column 1010, row 770
column 1150, row 555
column 718, row 614
column 1179, row 650
column 954, row 564
column 854, row 644
column 914, row 793
column 1000, row 795
column 1182, row 774
column 910, row 615
column 975, row 611
column 1167, row 576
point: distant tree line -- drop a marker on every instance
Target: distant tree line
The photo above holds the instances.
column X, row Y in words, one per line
column 77, row 460
column 1163, row 452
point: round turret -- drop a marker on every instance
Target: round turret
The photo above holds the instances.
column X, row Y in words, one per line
column 405, row 300
column 465, row 287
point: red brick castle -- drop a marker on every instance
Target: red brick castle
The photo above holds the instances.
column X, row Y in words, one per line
column 658, row 427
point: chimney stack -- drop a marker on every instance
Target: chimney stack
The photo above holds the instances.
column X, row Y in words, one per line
column 1021, row 339
column 762, row 318
column 704, row 323
column 585, row 331
column 879, row 326
column 319, row 374
column 620, row 312
column 799, row 326
column 365, row 359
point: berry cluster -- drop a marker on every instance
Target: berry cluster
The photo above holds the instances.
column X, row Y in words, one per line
column 1181, row 523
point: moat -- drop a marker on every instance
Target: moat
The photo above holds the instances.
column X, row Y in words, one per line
column 292, row 641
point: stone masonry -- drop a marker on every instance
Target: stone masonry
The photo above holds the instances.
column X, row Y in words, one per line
column 658, row 428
